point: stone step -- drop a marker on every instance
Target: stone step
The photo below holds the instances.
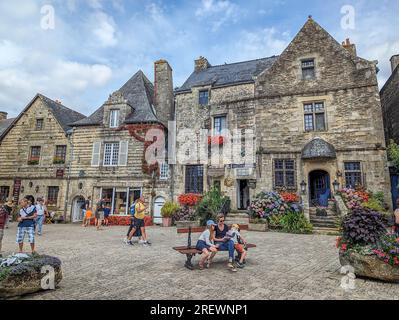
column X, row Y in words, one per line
column 325, row 231
column 237, row 215
column 323, row 219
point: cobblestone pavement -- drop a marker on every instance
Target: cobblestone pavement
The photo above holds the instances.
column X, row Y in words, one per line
column 97, row 265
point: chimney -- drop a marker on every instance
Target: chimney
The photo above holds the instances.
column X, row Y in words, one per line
column 3, row 115
column 394, row 62
column 350, row 47
column 163, row 91
column 201, row 64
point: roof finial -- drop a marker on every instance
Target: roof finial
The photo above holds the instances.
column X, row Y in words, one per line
column 310, row 17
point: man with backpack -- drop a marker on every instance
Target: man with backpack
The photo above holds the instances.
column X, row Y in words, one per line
column 132, row 224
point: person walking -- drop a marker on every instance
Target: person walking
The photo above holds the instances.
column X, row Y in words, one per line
column 139, row 223
column 99, row 215
column 3, row 222
column 26, row 223
column 9, row 207
column 41, row 211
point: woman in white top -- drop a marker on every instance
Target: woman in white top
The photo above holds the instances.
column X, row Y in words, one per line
column 206, row 245
column 41, row 213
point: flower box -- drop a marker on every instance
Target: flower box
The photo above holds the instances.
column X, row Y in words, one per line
column 260, row 227
column 216, row 140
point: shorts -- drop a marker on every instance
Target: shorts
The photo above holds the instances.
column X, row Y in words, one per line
column 138, row 223
column 201, row 245
column 21, row 231
column 100, row 215
column 239, row 247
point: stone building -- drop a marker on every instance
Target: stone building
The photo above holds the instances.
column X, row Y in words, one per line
column 110, row 145
column 35, row 151
column 390, row 107
column 314, row 113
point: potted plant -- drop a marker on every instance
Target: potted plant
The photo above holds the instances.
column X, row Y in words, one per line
column 186, row 217
column 167, row 212
column 257, row 224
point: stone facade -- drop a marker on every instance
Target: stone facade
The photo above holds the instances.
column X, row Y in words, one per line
column 273, row 106
column 28, row 174
column 390, row 102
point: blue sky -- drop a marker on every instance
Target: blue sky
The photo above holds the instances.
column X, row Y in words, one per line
column 97, row 45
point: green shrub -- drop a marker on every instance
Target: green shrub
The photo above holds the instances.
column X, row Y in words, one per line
column 211, row 205
column 169, row 209
column 293, row 222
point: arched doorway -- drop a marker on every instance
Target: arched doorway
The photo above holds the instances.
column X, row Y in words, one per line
column 158, row 204
column 77, row 211
column 319, row 188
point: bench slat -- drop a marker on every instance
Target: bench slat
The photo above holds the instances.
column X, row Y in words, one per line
column 193, row 250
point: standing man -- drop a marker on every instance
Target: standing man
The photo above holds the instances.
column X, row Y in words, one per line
column 3, row 222
column 139, row 223
column 26, row 223
column 41, row 211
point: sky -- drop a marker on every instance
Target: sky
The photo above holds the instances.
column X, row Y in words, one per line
column 92, row 47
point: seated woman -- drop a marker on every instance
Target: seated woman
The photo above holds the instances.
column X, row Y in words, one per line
column 220, row 240
column 206, row 246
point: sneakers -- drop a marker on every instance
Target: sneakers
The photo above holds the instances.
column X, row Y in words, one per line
column 148, row 242
column 129, row 243
column 125, row 241
column 240, row 265
column 231, row 266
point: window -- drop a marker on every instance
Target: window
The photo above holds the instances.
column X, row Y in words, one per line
column 284, row 173
column 204, row 97
column 60, row 154
column 219, row 124
column 34, row 156
column 314, row 116
column 194, row 179
column 164, row 171
column 114, row 119
column 111, row 154
column 353, row 174
column 52, row 195
column 4, row 194
column 39, row 124
column 308, row 69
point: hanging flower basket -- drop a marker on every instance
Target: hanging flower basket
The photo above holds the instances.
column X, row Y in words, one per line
column 216, row 140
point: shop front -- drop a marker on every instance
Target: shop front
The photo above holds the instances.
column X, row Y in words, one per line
column 119, row 199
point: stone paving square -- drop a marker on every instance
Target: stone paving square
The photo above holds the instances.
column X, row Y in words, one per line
column 97, row 265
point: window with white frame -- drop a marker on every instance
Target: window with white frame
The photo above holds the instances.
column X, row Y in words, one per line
column 164, row 171
column 114, row 118
column 111, row 154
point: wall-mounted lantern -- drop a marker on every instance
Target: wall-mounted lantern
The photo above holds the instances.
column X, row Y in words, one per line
column 303, row 187
column 336, row 186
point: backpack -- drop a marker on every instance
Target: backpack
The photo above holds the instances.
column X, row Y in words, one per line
column 133, row 209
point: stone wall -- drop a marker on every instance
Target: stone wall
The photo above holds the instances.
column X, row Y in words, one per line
column 390, row 105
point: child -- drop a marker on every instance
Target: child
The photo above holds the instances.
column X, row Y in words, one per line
column 88, row 216
column 239, row 243
column 205, row 243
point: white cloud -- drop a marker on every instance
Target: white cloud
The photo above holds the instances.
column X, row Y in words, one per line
column 95, row 4
column 219, row 12
column 104, row 29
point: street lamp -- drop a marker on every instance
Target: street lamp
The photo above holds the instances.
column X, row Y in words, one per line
column 336, row 186
column 303, row 187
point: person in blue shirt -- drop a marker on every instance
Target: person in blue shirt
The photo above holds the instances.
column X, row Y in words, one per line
column 26, row 223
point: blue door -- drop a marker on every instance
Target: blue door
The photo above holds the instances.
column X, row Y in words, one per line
column 394, row 190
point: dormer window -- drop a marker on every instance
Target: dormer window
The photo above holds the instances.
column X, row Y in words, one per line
column 308, row 69
column 114, row 118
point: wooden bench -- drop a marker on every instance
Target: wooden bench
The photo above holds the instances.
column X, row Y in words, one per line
column 190, row 251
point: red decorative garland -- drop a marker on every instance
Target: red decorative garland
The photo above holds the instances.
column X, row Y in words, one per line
column 139, row 131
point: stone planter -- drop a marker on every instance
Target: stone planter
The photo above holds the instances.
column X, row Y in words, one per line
column 261, row 227
column 369, row 266
column 27, row 277
column 187, row 224
column 166, row 222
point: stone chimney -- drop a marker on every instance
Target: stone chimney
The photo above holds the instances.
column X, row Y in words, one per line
column 394, row 62
column 3, row 115
column 163, row 91
column 201, row 64
column 350, row 47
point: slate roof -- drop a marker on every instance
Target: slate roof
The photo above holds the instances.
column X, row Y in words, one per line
column 139, row 92
column 62, row 114
column 228, row 74
column 5, row 124
column 318, row 149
